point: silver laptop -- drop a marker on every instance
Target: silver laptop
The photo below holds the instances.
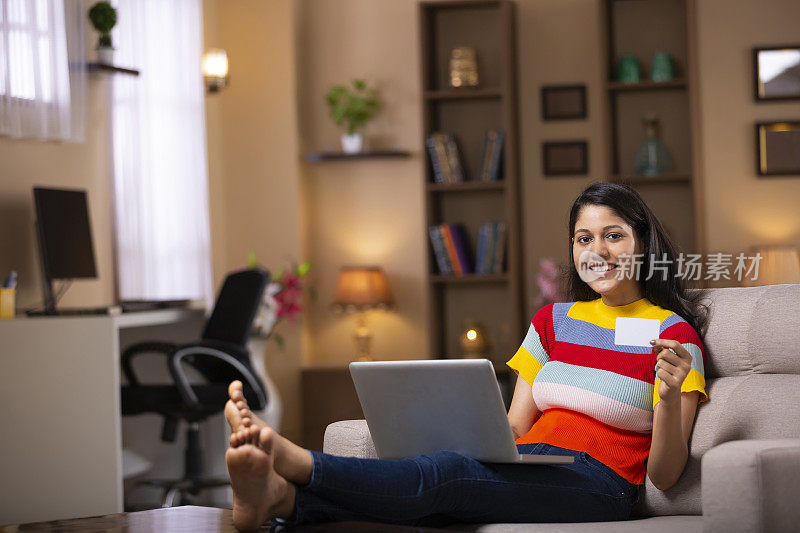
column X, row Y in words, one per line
column 418, row 407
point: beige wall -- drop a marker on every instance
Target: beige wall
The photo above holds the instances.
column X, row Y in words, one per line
column 742, row 210
column 558, row 43
column 254, row 175
column 365, row 212
column 28, row 163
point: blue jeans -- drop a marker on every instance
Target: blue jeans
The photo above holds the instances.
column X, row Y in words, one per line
column 446, row 487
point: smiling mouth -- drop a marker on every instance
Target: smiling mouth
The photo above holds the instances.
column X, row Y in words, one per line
column 599, row 267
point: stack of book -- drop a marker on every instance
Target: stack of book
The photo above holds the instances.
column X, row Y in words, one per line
column 491, row 248
column 445, row 158
column 492, row 155
column 451, row 249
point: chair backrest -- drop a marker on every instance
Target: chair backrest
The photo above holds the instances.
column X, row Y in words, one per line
column 237, row 304
column 752, row 369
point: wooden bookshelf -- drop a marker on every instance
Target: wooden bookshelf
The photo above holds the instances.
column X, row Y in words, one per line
column 642, row 28
column 493, row 300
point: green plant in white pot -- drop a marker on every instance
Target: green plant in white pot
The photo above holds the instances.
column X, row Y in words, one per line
column 104, row 17
column 351, row 109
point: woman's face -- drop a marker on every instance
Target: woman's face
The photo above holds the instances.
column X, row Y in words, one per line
column 602, row 246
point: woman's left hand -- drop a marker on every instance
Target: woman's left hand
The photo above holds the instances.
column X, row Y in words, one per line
column 673, row 367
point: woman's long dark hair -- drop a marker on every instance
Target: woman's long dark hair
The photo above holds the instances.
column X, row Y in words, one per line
column 670, row 293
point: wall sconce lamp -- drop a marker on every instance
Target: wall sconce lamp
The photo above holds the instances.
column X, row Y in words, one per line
column 779, row 264
column 215, row 69
column 359, row 290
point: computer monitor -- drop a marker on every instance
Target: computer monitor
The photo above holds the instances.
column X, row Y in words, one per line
column 65, row 238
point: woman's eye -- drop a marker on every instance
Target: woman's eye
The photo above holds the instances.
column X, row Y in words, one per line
column 615, row 235
column 583, row 240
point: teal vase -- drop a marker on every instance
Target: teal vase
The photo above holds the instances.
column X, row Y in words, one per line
column 652, row 158
column 663, row 68
column 628, row 70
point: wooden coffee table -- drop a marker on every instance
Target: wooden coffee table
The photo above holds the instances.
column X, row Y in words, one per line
column 196, row 520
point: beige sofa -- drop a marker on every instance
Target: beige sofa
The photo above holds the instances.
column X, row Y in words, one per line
column 743, row 473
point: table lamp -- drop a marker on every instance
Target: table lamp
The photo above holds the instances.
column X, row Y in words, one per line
column 779, row 264
column 358, row 290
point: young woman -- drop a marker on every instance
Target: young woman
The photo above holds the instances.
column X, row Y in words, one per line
column 621, row 411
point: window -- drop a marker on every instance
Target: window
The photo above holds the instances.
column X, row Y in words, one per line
column 39, row 96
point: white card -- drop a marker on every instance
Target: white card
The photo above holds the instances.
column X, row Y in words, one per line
column 636, row 331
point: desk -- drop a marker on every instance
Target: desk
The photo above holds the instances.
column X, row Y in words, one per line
column 61, row 444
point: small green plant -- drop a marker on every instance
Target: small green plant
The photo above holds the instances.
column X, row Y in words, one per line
column 103, row 17
column 352, row 109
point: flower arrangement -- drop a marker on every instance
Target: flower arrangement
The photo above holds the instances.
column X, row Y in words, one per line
column 547, row 280
column 103, row 17
column 282, row 299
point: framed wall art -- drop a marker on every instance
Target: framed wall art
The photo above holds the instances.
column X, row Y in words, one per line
column 565, row 158
column 776, row 73
column 778, row 148
column 563, row 102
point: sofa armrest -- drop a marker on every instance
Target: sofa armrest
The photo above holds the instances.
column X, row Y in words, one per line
column 349, row 438
column 751, row 485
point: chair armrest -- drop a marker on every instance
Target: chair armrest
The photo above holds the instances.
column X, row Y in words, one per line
column 192, row 350
column 751, row 485
column 165, row 348
column 349, row 438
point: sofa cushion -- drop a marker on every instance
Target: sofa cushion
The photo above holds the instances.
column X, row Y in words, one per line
column 755, row 406
column 753, row 330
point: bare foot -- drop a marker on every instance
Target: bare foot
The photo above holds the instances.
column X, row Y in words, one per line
column 259, row 493
column 237, row 412
column 291, row 461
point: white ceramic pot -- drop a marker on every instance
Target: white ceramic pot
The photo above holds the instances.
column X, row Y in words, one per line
column 273, row 414
column 351, row 144
column 105, row 55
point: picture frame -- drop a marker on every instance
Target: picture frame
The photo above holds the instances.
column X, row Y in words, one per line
column 564, row 102
column 778, row 148
column 776, row 73
column 565, row 158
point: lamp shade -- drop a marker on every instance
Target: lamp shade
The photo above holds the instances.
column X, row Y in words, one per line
column 215, row 63
column 362, row 288
column 779, row 264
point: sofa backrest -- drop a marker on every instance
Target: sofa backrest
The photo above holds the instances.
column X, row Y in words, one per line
column 752, row 371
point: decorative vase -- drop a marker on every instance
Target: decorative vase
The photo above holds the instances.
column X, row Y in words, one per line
column 105, row 55
column 663, row 67
column 351, row 143
column 628, row 70
column 652, row 157
column 273, row 413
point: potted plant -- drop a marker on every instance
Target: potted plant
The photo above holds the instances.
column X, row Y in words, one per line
column 104, row 17
column 351, row 110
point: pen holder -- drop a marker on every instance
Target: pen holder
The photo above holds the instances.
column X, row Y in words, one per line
column 7, row 297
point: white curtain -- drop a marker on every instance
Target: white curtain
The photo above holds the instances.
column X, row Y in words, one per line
column 159, row 138
column 43, row 69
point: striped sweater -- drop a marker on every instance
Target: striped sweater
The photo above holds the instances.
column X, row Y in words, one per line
column 596, row 396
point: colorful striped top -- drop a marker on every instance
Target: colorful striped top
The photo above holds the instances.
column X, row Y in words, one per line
column 597, row 396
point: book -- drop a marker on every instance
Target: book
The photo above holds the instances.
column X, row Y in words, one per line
column 463, row 251
column 439, row 251
column 500, row 250
column 488, row 255
column 496, row 159
column 453, row 158
column 451, row 249
column 438, row 173
column 481, row 251
column 444, row 161
column 489, row 144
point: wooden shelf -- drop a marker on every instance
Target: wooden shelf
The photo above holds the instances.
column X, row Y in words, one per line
column 470, row 278
column 652, row 180
column 317, row 157
column 111, row 68
column 467, row 186
column 463, row 94
column 618, row 86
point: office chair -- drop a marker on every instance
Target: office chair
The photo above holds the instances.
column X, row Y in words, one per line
column 220, row 356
